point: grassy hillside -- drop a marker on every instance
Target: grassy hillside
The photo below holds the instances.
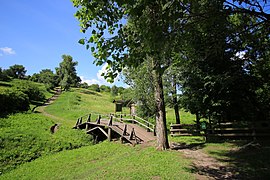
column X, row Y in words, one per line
column 106, row 161
column 25, row 137
column 6, row 85
column 78, row 102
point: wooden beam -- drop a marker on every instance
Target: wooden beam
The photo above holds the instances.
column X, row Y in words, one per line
column 99, row 128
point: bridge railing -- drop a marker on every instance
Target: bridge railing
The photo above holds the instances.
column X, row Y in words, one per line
column 120, row 118
column 136, row 119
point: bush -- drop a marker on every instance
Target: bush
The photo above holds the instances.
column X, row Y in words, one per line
column 32, row 90
column 13, row 100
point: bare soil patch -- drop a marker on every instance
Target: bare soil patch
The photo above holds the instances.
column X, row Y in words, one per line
column 205, row 166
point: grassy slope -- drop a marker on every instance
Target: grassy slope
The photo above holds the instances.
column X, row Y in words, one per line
column 6, row 85
column 24, row 137
column 91, row 159
column 79, row 102
column 106, row 161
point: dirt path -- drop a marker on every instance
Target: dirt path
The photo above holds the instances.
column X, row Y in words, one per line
column 205, row 166
column 41, row 109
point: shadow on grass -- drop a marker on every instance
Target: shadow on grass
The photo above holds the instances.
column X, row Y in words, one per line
column 249, row 161
column 5, row 84
column 90, row 92
column 193, row 146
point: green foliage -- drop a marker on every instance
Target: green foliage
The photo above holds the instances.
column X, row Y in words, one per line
column 47, row 77
column 104, row 88
column 31, row 89
column 17, row 95
column 114, row 90
column 3, row 76
column 107, row 161
column 13, row 100
column 25, row 137
column 94, row 87
column 16, row 71
column 140, row 79
column 67, row 73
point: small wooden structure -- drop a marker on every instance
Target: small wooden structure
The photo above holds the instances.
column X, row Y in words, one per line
column 118, row 105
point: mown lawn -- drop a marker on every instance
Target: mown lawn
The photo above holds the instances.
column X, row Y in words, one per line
column 106, row 161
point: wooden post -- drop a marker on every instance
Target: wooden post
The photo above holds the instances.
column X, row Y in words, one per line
column 125, row 130
column 109, row 134
column 121, row 118
column 110, row 122
column 148, row 130
column 77, row 123
column 80, row 120
column 132, row 134
column 98, row 119
column 89, row 118
column 155, row 131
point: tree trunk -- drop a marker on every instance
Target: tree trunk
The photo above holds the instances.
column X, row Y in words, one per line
column 175, row 102
column 161, row 129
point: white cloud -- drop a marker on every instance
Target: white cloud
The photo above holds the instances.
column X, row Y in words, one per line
column 89, row 81
column 99, row 78
column 7, row 50
column 102, row 70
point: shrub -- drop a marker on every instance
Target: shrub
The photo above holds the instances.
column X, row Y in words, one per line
column 13, row 100
column 32, row 90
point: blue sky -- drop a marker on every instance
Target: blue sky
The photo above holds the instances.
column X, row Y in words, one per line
column 36, row 34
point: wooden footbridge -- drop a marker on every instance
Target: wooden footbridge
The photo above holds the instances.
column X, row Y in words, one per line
column 134, row 130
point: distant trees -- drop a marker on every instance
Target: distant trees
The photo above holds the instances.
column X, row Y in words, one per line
column 104, row 88
column 47, row 77
column 114, row 90
column 67, row 73
column 94, row 87
column 15, row 71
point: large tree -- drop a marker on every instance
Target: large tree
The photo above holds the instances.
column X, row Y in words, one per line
column 67, row 72
column 127, row 33
column 148, row 35
column 16, row 71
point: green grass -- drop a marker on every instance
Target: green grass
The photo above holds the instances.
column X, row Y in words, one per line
column 72, row 105
column 106, row 161
column 29, row 151
column 25, row 137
